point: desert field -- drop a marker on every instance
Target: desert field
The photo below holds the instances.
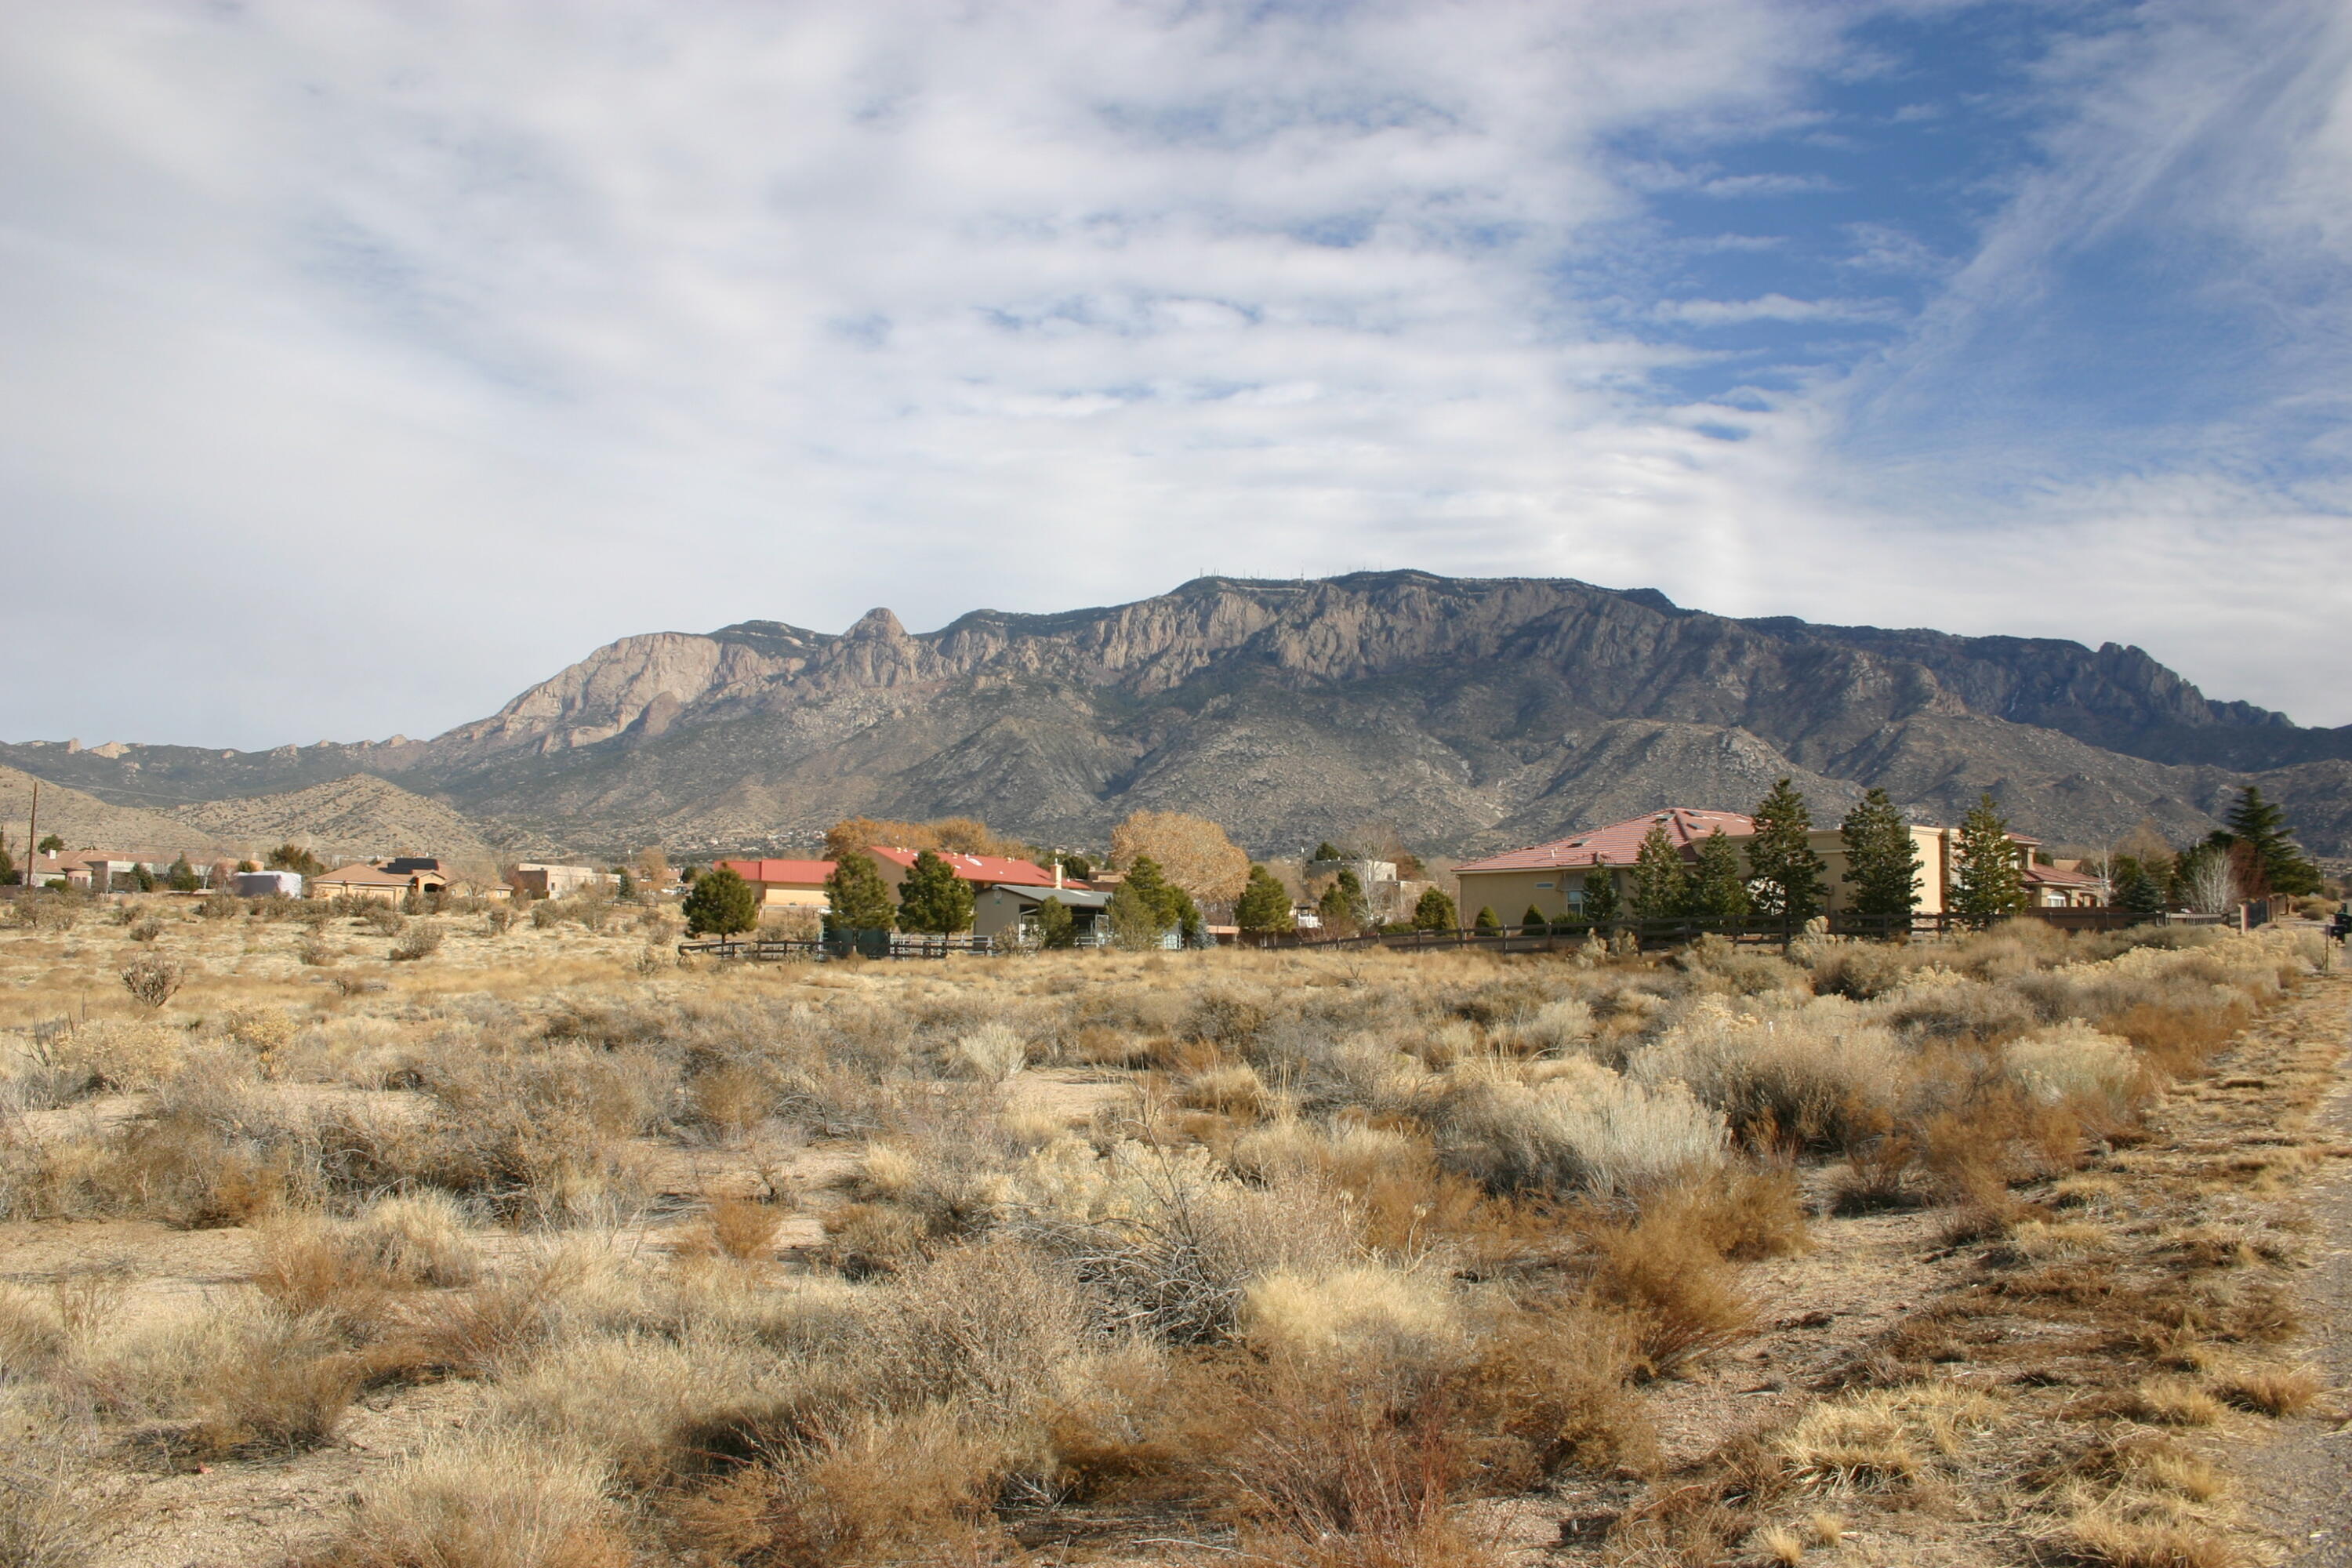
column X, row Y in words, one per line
column 468, row 1241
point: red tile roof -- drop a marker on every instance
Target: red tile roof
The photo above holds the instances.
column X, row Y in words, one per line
column 2054, row 877
column 1617, row 844
column 793, row 873
column 986, row 868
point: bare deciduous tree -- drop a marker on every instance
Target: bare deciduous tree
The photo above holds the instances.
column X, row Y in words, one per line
column 1192, row 852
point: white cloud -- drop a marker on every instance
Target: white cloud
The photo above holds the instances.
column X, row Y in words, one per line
column 369, row 360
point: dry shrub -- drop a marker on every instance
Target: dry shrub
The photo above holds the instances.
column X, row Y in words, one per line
column 994, row 1053
column 882, row 1488
column 1365, row 1310
column 1233, row 1089
column 58, row 1510
column 1859, row 970
column 1169, row 1241
column 423, row 940
column 1884, row 1437
column 1345, row 1462
column 2176, row 1040
column 2073, row 1065
column 1808, row 1078
column 732, row 1097
column 153, row 979
column 485, row 1500
column 1545, row 1391
column 1743, row 1213
column 1585, row 1128
column 2271, row 1389
column 743, row 1230
column 1664, row 1272
column 2099, row 1539
column 33, row 1332
column 120, row 1056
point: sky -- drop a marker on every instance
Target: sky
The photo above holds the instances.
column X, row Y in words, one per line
column 362, row 364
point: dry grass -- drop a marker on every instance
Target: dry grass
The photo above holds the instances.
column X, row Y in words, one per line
column 1358, row 1241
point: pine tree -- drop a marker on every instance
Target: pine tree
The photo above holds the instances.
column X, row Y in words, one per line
column 1435, row 911
column 2261, row 825
column 1985, row 882
column 933, row 899
column 855, row 896
column 1487, row 920
column 291, row 857
column 1535, row 923
column 1719, row 887
column 142, row 878
column 10, row 875
column 2135, row 889
column 1264, row 908
column 1334, row 910
column 1882, row 860
column 722, row 903
column 1661, row 885
column 1782, row 869
column 1055, row 927
column 181, row 878
column 1601, row 896
column 1327, row 850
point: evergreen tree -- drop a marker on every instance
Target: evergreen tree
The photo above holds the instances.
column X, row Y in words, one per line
column 1054, row 925
column 181, row 878
column 1073, row 864
column 2135, row 889
column 856, row 897
column 1535, row 923
column 1719, row 887
column 1985, row 882
column 1334, row 910
column 10, row 875
column 932, row 899
column 722, row 904
column 1327, row 850
column 1601, row 896
column 1882, row 860
column 1783, row 872
column 1137, row 920
column 2262, row 827
column 627, row 887
column 1435, row 911
column 1661, row 885
column 1163, row 897
column 1487, row 920
column 142, row 878
column 291, row 857
column 52, row 845
column 1264, row 908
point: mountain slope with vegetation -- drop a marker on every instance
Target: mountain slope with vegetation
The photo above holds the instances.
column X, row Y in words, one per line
column 1466, row 713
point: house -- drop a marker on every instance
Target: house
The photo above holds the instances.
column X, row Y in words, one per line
column 2062, row 885
column 784, row 884
column 265, row 884
column 983, row 871
column 1552, row 876
column 98, row 870
column 1003, row 908
column 541, row 881
column 375, row 882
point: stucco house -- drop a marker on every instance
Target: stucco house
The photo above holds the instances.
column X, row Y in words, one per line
column 1552, row 876
column 784, row 884
column 375, row 882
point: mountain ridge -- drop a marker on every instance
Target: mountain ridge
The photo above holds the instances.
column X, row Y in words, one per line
column 1464, row 711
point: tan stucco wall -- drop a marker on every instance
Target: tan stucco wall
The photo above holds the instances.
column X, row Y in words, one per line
column 1508, row 893
column 792, row 895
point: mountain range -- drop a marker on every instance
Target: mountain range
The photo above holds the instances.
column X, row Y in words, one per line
column 1461, row 714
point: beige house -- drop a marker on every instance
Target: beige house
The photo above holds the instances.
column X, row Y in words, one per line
column 1552, row 877
column 375, row 882
column 541, row 881
column 784, row 884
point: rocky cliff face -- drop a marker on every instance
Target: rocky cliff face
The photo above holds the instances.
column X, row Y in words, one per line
column 1469, row 713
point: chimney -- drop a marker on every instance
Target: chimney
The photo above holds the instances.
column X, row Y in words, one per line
column 1057, row 871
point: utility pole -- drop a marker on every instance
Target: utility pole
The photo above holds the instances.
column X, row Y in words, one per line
column 32, row 836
